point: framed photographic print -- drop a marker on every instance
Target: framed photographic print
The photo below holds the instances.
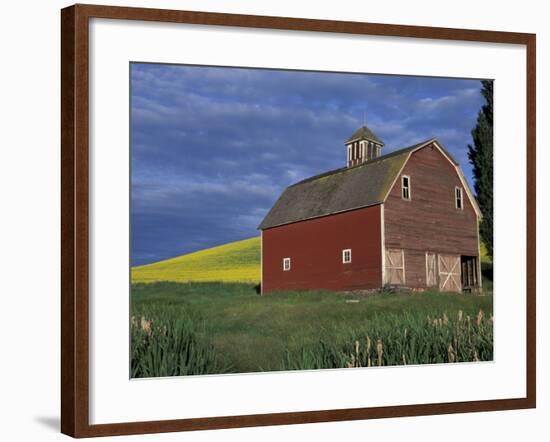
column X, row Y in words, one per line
column 273, row 220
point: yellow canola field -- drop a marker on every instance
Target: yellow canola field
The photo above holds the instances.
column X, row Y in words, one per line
column 234, row 262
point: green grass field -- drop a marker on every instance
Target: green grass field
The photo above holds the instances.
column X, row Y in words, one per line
column 200, row 314
column 234, row 262
column 228, row 327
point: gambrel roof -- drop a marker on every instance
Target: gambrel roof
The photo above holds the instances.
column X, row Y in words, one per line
column 347, row 188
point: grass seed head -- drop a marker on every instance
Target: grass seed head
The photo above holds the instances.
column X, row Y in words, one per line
column 479, row 317
column 379, row 350
column 369, row 345
column 451, row 353
column 351, row 364
column 146, row 325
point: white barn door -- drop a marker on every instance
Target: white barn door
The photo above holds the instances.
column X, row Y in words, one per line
column 395, row 267
column 431, row 269
column 449, row 273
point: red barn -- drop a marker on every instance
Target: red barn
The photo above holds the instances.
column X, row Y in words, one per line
column 406, row 219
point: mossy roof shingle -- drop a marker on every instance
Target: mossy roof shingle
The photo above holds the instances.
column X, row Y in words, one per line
column 364, row 133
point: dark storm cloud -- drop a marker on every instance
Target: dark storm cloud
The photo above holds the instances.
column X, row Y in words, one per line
column 212, row 148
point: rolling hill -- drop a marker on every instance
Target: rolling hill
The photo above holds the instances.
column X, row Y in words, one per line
column 233, row 262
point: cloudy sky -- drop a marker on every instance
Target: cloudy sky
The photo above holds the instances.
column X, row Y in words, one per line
column 212, row 148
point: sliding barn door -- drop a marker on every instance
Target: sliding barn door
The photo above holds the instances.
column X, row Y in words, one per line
column 431, row 269
column 449, row 273
column 395, row 267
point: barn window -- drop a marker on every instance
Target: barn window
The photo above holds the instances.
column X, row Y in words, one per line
column 406, row 187
column 458, row 198
column 346, row 256
column 286, row 264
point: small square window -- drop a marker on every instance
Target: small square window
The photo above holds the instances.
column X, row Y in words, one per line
column 459, row 202
column 346, row 256
column 406, row 187
column 286, row 264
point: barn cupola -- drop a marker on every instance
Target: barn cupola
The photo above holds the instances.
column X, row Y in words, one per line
column 362, row 146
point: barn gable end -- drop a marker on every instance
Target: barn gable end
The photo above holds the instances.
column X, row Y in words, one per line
column 435, row 144
column 433, row 233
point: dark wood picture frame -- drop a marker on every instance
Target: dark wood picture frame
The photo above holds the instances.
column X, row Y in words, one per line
column 75, row 219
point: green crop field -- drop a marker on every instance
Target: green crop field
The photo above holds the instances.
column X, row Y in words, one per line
column 201, row 328
column 200, row 313
column 234, row 262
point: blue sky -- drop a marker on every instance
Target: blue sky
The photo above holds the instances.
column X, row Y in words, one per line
column 212, row 148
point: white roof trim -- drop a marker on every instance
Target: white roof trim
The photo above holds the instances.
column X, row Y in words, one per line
column 379, row 143
column 457, row 168
column 403, row 166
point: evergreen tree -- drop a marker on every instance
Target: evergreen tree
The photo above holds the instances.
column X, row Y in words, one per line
column 481, row 157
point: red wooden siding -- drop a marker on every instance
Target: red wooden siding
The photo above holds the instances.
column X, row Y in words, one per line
column 429, row 222
column 315, row 248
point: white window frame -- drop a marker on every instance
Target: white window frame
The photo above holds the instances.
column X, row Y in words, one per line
column 408, row 187
column 344, row 261
column 459, row 191
column 285, row 262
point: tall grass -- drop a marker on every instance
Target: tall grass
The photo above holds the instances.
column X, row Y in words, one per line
column 170, row 347
column 206, row 328
column 401, row 340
